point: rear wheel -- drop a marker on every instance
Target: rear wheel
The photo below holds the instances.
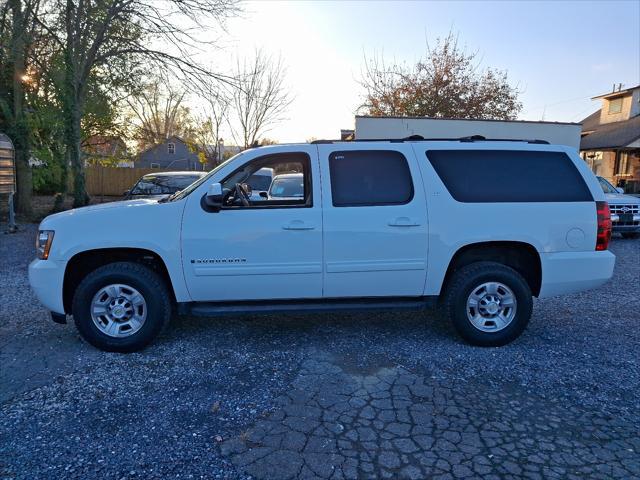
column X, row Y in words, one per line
column 489, row 304
column 630, row 234
column 121, row 307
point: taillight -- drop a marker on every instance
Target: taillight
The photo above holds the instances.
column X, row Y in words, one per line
column 604, row 225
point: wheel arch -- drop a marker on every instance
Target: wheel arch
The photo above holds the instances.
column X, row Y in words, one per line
column 85, row 262
column 521, row 256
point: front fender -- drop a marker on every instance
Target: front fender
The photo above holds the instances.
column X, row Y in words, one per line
column 147, row 225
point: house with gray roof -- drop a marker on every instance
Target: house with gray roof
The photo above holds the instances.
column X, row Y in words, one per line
column 172, row 154
column 610, row 141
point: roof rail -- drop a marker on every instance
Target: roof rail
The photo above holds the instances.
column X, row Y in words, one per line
column 420, row 138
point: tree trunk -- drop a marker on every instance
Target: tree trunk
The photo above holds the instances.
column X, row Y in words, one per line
column 74, row 153
column 19, row 128
column 24, row 181
column 73, row 106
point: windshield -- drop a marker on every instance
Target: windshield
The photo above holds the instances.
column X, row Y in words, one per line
column 288, row 187
column 606, row 186
column 162, row 184
column 187, row 191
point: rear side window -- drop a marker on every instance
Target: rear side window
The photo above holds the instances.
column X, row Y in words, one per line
column 369, row 177
column 509, row 176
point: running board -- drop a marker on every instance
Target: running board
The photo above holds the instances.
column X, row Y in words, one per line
column 212, row 309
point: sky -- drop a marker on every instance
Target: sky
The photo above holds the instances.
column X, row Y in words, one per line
column 559, row 54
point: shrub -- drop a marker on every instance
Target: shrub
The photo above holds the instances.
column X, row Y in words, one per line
column 49, row 177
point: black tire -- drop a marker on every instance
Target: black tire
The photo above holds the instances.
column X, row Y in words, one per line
column 147, row 282
column 630, row 234
column 470, row 277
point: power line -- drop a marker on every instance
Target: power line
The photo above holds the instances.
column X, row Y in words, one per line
column 547, row 105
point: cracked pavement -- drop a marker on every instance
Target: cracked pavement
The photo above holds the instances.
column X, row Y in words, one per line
column 367, row 395
column 341, row 423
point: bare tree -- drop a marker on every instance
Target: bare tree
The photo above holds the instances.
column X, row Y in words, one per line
column 260, row 98
column 118, row 34
column 214, row 117
column 161, row 113
column 446, row 83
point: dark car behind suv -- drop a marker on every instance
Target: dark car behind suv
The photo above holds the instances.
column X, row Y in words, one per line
column 161, row 184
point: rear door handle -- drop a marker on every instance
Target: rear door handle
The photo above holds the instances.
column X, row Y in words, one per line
column 297, row 225
column 403, row 222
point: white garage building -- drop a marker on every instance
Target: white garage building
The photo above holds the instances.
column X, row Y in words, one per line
column 368, row 128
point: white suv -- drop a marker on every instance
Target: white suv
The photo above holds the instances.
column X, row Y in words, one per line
column 479, row 226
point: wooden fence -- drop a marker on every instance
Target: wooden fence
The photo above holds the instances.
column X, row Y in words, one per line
column 112, row 181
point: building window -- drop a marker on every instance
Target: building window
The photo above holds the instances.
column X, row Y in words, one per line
column 615, row 106
column 155, row 165
column 622, row 166
column 594, row 160
column 171, row 148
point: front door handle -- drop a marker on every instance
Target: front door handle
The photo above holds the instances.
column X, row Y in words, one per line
column 403, row 222
column 297, row 225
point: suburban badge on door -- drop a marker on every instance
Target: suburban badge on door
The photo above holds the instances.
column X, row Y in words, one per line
column 218, row 260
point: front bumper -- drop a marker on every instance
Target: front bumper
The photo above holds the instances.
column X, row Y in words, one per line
column 568, row 272
column 628, row 226
column 46, row 278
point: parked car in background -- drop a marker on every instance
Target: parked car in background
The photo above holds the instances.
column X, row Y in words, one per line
column 287, row 185
column 161, row 184
column 625, row 210
column 478, row 226
column 259, row 183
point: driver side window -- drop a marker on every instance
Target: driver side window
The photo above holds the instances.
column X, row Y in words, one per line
column 271, row 181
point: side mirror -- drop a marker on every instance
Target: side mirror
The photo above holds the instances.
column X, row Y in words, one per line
column 620, row 189
column 126, row 193
column 214, row 197
column 264, row 195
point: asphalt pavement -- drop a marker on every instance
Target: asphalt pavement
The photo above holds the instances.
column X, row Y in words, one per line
column 331, row 396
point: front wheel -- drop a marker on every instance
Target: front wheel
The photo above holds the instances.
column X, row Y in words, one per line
column 490, row 304
column 121, row 307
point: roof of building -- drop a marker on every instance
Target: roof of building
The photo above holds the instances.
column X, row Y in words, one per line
column 347, row 133
column 608, row 135
column 466, row 119
column 171, row 139
column 616, row 93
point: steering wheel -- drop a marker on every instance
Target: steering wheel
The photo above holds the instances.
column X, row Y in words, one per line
column 242, row 195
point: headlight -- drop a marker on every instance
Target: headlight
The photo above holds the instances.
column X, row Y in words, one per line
column 43, row 243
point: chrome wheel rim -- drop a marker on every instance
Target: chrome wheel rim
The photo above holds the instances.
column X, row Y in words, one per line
column 491, row 307
column 118, row 310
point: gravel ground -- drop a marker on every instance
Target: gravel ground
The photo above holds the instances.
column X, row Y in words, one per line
column 380, row 395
